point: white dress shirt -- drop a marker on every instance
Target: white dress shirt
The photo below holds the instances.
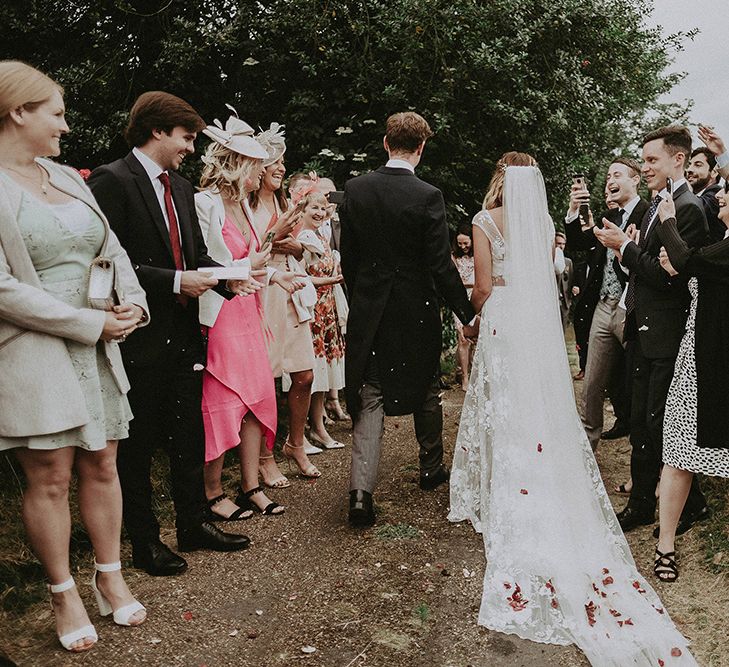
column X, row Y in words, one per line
column 153, row 172
column 397, row 163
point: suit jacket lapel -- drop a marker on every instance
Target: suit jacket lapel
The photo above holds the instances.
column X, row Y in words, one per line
column 146, row 190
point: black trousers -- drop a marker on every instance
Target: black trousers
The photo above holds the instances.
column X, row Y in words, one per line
column 166, row 402
column 619, row 388
column 651, row 381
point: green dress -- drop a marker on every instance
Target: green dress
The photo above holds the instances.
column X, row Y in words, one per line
column 62, row 239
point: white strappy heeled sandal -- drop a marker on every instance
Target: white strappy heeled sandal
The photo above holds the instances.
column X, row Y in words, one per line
column 122, row 615
column 85, row 632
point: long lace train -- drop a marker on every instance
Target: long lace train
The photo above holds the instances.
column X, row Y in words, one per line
column 559, row 569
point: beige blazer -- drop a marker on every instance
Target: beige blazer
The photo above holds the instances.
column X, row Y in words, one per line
column 39, row 389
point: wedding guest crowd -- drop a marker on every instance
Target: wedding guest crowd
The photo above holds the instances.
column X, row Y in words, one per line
column 208, row 303
column 220, row 288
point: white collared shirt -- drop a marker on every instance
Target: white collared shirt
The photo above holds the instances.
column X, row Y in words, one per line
column 397, row 163
column 153, row 172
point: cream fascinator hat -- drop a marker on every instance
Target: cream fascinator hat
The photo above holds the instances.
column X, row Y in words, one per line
column 236, row 136
column 273, row 141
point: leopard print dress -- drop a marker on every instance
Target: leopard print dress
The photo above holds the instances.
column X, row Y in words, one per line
column 680, row 449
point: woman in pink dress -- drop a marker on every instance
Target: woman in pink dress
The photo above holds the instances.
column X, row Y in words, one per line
column 239, row 398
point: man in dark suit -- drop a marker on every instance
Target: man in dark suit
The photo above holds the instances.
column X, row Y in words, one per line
column 152, row 211
column 396, row 260
column 599, row 301
column 704, row 181
column 656, row 311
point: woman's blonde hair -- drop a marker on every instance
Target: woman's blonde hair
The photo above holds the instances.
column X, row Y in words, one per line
column 226, row 171
column 23, row 86
column 495, row 193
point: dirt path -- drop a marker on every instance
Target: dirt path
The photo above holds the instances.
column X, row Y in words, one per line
column 405, row 593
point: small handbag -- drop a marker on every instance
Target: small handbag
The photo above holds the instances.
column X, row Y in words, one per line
column 103, row 293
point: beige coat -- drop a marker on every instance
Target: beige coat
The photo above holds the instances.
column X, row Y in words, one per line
column 39, row 389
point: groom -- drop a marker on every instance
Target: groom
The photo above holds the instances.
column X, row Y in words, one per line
column 396, row 261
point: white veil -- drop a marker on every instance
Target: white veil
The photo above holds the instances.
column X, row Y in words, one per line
column 558, row 567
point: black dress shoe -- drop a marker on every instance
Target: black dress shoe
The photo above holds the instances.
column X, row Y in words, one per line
column 686, row 522
column 617, row 431
column 208, row 536
column 361, row 509
column 157, row 559
column 429, row 480
column 631, row 518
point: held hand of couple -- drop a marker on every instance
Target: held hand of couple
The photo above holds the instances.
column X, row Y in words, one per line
column 470, row 333
column 121, row 321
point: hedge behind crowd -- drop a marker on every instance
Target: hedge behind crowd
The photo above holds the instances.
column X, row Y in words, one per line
column 570, row 81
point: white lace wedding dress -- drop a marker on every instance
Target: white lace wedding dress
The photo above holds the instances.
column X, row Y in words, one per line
column 559, row 569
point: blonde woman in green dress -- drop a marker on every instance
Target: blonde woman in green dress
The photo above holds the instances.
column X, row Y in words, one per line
column 63, row 387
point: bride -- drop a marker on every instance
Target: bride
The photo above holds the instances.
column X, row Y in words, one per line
column 559, row 570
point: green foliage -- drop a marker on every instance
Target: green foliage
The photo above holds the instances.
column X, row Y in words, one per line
column 570, row 81
column 397, row 531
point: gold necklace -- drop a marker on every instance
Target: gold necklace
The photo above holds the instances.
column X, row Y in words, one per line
column 43, row 176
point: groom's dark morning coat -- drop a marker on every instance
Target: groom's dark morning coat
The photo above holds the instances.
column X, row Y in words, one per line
column 396, row 260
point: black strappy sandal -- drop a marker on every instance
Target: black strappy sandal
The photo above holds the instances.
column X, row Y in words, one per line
column 665, row 567
column 241, row 514
column 244, row 500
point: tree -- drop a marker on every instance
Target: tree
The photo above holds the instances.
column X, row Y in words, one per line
column 570, row 81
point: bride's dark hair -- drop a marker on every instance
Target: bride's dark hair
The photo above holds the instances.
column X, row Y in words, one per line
column 495, row 193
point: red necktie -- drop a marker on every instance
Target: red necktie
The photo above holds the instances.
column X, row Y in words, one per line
column 174, row 231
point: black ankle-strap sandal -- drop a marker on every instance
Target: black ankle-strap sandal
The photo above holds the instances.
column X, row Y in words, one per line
column 268, row 510
column 241, row 514
column 665, row 567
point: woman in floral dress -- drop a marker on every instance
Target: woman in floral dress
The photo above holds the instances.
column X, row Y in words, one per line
column 322, row 266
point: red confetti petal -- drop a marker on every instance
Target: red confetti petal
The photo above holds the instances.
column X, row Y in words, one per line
column 187, row 616
column 524, row 492
column 615, row 612
column 607, row 581
column 605, row 571
column 629, row 621
column 659, row 609
column 661, row 663
column 636, row 585
column 539, row 447
column 554, row 604
column 676, row 652
column 507, row 586
column 494, row 332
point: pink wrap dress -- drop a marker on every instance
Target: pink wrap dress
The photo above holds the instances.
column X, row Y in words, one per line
column 238, row 378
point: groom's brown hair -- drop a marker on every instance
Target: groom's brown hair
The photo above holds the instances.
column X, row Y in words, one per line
column 406, row 131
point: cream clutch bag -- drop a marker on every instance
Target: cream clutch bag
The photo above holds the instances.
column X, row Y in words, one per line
column 103, row 293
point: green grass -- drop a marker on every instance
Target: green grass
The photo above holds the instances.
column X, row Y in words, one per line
column 397, row 531
column 422, row 612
